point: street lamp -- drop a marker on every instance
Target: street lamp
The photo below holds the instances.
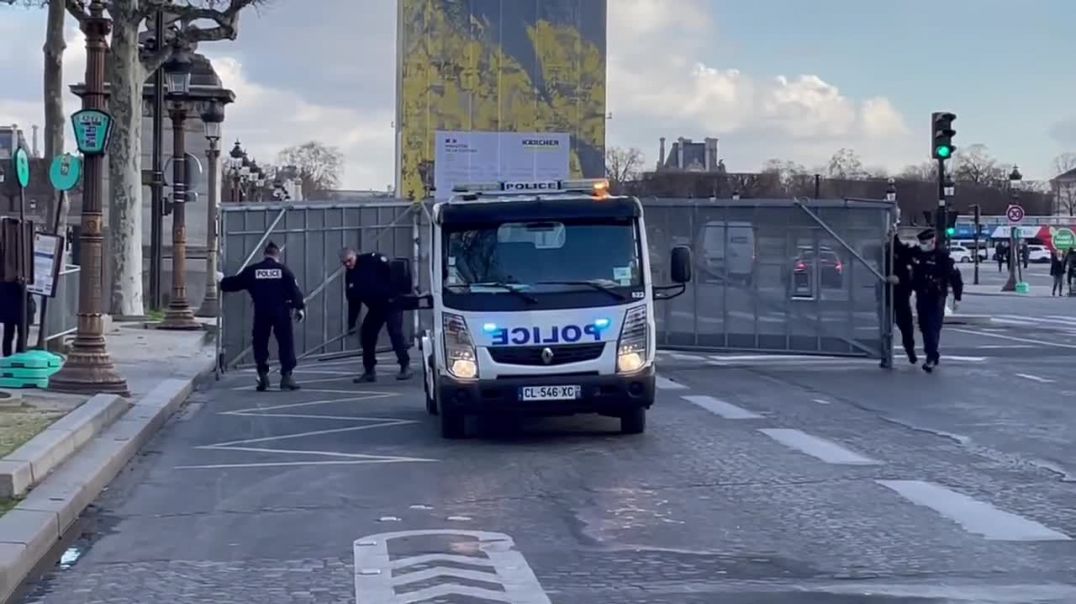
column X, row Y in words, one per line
column 177, row 75
column 1014, row 192
column 891, row 190
column 89, row 368
column 212, row 117
column 235, row 162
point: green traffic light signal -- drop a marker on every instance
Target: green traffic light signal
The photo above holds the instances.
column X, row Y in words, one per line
column 950, row 231
column 944, row 151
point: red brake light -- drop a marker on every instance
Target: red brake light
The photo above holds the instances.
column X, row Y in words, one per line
column 801, row 266
column 840, row 267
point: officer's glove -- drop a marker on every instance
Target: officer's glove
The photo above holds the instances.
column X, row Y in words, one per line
column 894, row 279
column 300, row 315
column 352, row 330
column 956, row 305
column 220, row 276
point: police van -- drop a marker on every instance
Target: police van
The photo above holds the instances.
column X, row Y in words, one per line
column 543, row 304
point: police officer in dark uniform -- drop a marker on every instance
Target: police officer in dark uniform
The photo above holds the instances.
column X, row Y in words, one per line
column 903, row 258
column 276, row 294
column 368, row 281
column 933, row 274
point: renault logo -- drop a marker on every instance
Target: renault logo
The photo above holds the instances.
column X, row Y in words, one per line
column 547, row 355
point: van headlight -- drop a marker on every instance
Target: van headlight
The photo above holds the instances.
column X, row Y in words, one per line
column 632, row 348
column 461, row 358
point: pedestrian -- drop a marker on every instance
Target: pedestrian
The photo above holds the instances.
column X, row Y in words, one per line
column 12, row 306
column 933, row 274
column 276, row 295
column 1057, row 271
column 368, row 282
column 903, row 257
column 999, row 255
column 1070, row 263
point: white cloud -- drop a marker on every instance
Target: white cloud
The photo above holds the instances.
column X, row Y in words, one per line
column 268, row 119
column 670, row 89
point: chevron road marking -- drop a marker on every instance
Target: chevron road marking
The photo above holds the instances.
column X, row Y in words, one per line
column 378, row 578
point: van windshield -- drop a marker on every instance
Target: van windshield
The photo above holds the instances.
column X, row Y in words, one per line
column 543, row 257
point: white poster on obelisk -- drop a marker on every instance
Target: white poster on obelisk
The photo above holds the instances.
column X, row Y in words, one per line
column 482, row 157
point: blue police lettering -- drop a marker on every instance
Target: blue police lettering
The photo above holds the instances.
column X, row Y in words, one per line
column 568, row 334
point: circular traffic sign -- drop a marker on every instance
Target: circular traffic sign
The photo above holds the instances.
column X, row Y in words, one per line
column 1064, row 239
column 22, row 167
column 1015, row 213
column 65, row 172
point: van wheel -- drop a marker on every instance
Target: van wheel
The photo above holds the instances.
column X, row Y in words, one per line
column 453, row 424
column 634, row 421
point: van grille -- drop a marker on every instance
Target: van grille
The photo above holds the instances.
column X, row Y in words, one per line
column 532, row 355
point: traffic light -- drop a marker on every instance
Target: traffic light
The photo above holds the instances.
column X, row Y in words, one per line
column 950, row 222
column 942, row 128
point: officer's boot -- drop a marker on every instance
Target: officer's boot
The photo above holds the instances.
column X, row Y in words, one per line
column 367, row 377
column 287, row 382
column 405, row 373
column 263, row 381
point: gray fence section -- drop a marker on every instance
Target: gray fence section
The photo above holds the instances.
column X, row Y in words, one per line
column 310, row 236
column 779, row 276
column 773, row 276
column 61, row 312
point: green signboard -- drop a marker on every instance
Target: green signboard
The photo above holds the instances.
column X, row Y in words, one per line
column 22, row 167
column 92, row 129
column 65, row 171
column 1064, row 239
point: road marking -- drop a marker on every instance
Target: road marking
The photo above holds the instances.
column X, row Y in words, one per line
column 667, row 384
column 686, row 357
column 975, row 516
column 1016, row 339
column 356, row 395
column 820, row 401
column 1035, row 378
column 378, row 422
column 1002, row 346
column 720, row 408
column 952, row 357
column 819, row 448
column 500, row 565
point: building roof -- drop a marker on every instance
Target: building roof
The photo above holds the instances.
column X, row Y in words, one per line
column 1067, row 177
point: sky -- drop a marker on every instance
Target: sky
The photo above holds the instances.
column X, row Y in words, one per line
column 787, row 79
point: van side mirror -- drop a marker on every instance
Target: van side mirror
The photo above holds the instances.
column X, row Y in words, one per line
column 681, row 264
column 400, row 276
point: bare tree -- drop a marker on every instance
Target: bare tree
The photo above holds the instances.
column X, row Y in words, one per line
column 975, row 165
column 318, row 166
column 786, row 173
column 622, row 165
column 845, row 165
column 127, row 68
column 924, row 172
column 1064, row 163
column 1064, row 187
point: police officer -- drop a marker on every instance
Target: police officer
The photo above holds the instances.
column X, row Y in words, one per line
column 903, row 258
column 933, row 274
column 276, row 294
column 368, row 281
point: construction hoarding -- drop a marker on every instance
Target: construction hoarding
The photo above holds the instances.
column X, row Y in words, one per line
column 534, row 66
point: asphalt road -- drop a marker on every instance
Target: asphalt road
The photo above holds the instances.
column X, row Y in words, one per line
column 761, row 480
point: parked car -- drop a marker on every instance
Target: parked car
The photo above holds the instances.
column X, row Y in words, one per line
column 960, row 253
column 1038, row 253
column 830, row 270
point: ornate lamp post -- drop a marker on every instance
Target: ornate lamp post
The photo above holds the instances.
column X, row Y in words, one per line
column 89, row 367
column 212, row 118
column 1014, row 191
column 177, row 73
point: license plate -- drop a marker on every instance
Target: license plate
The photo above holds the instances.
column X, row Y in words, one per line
column 549, row 393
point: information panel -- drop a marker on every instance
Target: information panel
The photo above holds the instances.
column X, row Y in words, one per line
column 475, row 157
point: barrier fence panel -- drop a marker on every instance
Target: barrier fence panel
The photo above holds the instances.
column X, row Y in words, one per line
column 310, row 235
column 776, row 276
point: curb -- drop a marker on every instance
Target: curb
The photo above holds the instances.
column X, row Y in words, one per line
column 32, row 528
column 30, row 464
column 968, row 320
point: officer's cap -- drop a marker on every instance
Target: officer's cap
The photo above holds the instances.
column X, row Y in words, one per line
column 926, row 235
column 271, row 249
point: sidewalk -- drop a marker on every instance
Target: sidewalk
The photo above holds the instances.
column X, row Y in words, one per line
column 1037, row 291
column 82, row 442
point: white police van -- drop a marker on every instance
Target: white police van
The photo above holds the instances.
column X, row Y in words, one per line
column 542, row 304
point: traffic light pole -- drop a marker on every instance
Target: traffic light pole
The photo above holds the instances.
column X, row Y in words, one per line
column 978, row 216
column 941, row 218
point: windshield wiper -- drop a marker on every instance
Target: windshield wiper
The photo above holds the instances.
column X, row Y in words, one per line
column 514, row 288
column 592, row 283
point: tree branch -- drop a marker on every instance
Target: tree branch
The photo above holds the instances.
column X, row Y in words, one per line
column 77, row 9
column 226, row 24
